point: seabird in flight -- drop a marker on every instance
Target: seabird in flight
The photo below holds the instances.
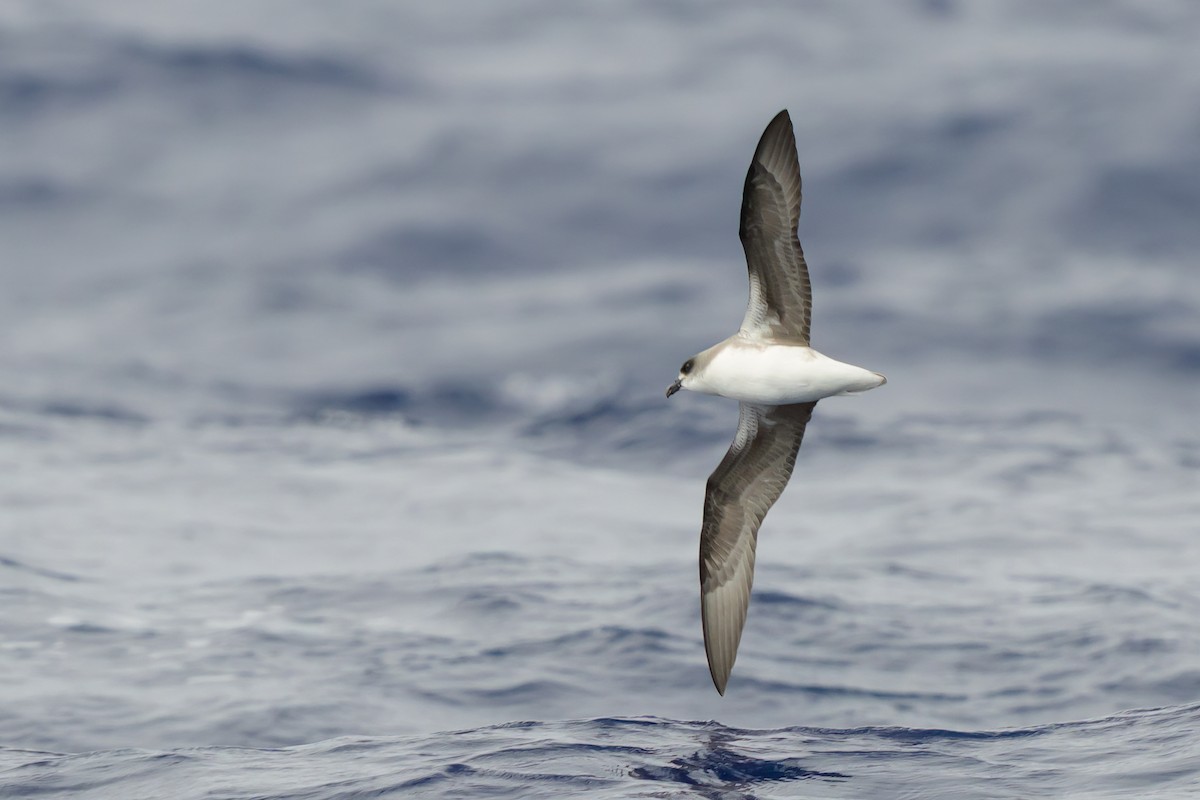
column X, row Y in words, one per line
column 769, row 367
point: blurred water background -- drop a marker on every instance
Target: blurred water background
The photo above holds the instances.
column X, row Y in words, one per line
column 334, row 458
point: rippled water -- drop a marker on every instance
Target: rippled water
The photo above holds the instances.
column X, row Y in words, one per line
column 334, row 461
column 1120, row 756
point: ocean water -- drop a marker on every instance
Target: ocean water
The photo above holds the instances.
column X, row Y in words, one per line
column 334, row 457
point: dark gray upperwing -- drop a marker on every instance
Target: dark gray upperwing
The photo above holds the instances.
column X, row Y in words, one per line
column 741, row 490
column 780, row 305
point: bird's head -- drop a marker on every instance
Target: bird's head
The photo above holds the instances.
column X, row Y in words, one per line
column 686, row 376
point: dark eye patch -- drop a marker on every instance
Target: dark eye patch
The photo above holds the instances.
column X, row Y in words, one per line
column 687, row 366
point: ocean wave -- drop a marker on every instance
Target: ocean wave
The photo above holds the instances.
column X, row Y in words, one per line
column 1135, row 752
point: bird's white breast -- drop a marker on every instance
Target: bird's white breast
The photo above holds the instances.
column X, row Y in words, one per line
column 776, row 374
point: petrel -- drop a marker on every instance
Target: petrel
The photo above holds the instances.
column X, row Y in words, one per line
column 770, row 369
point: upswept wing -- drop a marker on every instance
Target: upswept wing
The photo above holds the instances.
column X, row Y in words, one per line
column 780, row 305
column 740, row 491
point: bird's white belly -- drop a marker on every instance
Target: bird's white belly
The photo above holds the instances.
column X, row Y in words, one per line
column 774, row 374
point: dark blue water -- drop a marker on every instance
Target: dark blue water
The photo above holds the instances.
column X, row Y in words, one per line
column 1135, row 754
column 334, row 458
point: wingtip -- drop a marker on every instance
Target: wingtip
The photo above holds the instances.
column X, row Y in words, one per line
column 720, row 672
column 778, row 141
column 719, row 683
column 781, row 120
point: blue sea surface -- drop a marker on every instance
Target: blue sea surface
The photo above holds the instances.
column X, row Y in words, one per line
column 334, row 457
